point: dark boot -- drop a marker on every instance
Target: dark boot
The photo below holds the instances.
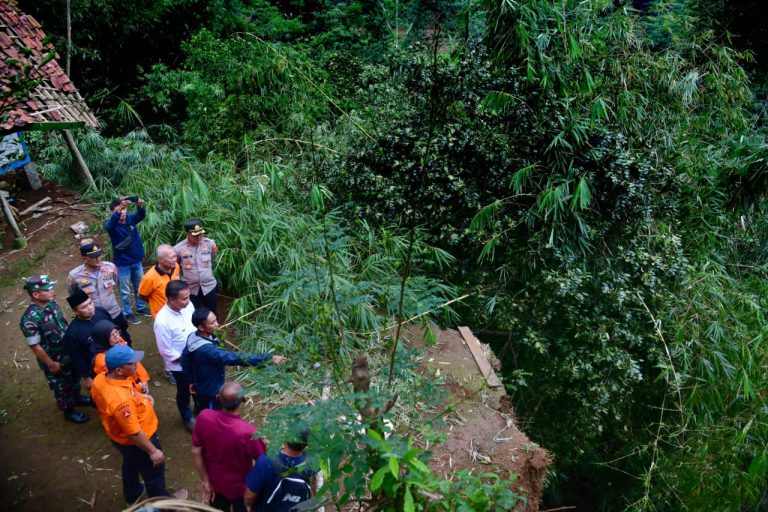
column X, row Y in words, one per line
column 76, row 416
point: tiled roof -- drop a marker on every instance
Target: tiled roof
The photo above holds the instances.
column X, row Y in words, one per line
column 54, row 103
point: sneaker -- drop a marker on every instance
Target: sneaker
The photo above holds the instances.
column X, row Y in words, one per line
column 170, row 377
column 144, row 312
column 131, row 318
column 84, row 400
column 190, row 424
column 181, row 494
column 76, row 416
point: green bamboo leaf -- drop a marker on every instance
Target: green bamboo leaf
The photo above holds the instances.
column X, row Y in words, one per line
column 394, row 467
column 378, row 479
column 408, row 505
column 420, row 466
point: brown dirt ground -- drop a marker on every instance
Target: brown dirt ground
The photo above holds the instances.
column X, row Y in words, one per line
column 481, row 433
column 47, row 463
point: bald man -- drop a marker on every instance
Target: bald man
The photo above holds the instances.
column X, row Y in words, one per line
column 224, row 448
column 152, row 287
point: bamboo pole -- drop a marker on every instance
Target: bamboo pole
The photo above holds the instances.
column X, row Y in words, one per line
column 80, row 165
column 19, row 241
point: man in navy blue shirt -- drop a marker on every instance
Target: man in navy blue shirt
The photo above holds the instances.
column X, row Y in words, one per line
column 128, row 252
column 281, row 482
column 203, row 362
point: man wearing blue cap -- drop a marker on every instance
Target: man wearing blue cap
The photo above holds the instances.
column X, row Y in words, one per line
column 131, row 423
column 43, row 325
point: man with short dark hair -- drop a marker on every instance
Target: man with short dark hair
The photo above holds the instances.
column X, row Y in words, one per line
column 43, row 325
column 173, row 324
column 224, row 448
column 78, row 337
column 130, row 421
column 274, row 480
column 196, row 255
column 128, row 253
column 97, row 278
column 203, row 362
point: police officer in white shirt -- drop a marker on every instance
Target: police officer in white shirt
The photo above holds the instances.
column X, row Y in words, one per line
column 196, row 255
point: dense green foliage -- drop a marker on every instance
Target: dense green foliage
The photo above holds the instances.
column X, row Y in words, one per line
column 598, row 174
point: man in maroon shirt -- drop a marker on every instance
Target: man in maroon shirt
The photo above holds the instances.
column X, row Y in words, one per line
column 224, row 448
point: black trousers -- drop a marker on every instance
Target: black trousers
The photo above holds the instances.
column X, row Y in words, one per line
column 209, row 300
column 228, row 505
column 182, row 396
column 137, row 463
column 206, row 402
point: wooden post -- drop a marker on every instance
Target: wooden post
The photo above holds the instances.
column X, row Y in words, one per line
column 80, row 164
column 34, row 180
column 19, row 241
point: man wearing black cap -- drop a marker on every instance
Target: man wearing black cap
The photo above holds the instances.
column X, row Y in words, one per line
column 131, row 423
column 43, row 325
column 128, row 252
column 78, row 338
column 98, row 279
column 196, row 255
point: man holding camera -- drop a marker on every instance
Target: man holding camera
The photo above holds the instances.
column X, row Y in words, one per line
column 128, row 253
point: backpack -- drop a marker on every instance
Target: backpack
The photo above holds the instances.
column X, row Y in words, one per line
column 291, row 489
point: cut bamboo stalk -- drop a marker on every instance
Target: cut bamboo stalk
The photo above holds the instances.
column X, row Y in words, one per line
column 35, row 206
column 19, row 241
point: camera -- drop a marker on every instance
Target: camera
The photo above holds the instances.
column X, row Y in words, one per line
column 133, row 199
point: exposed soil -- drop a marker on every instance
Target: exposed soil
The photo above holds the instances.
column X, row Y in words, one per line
column 481, row 433
column 50, row 464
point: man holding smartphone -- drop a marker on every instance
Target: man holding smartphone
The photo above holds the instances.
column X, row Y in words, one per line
column 128, row 252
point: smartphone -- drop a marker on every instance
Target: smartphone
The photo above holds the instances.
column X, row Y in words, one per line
column 133, row 199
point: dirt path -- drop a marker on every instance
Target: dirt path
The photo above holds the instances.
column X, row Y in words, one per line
column 46, row 462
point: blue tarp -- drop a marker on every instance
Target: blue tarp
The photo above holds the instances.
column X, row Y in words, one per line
column 13, row 152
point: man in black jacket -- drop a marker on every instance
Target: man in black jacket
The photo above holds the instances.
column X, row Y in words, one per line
column 78, row 337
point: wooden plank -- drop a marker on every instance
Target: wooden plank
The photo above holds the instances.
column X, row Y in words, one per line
column 482, row 362
column 35, row 206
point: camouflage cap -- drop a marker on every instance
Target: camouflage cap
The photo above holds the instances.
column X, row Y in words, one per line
column 38, row 282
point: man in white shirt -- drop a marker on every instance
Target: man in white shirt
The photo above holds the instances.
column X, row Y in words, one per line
column 173, row 324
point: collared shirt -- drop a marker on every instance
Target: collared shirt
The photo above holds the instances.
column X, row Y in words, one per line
column 123, row 411
column 99, row 284
column 197, row 264
column 153, row 286
column 229, row 449
column 171, row 331
column 46, row 326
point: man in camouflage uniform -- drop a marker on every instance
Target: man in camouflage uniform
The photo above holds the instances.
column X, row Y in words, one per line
column 43, row 325
column 196, row 255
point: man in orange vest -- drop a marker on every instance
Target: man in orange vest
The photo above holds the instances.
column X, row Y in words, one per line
column 131, row 423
